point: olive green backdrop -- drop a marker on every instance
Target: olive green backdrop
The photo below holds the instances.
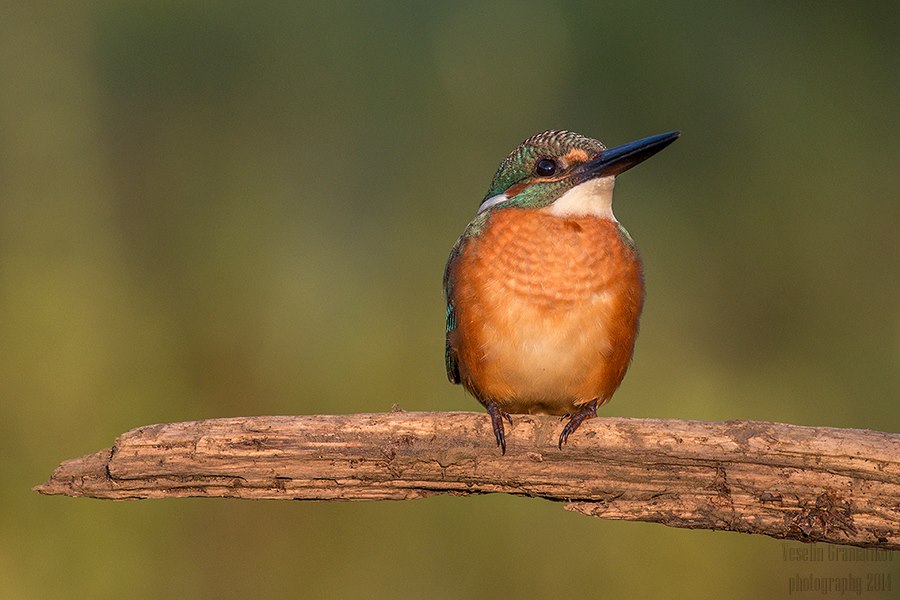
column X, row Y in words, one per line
column 235, row 208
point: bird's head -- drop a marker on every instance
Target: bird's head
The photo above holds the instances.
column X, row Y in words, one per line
column 566, row 173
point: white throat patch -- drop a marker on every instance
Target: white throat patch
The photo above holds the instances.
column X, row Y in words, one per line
column 492, row 201
column 593, row 197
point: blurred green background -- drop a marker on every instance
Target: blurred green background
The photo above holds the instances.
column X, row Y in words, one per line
column 230, row 209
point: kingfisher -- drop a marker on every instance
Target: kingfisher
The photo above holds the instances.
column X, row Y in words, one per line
column 545, row 288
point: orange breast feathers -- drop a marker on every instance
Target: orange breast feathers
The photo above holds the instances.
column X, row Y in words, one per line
column 547, row 310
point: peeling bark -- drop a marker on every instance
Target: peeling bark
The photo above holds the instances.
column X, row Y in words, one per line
column 804, row 483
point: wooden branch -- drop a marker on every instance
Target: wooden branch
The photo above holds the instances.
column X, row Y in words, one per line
column 804, row 483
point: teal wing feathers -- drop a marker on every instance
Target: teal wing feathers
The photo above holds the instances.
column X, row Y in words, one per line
column 450, row 359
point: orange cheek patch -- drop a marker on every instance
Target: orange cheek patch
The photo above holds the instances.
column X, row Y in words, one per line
column 576, row 156
column 513, row 190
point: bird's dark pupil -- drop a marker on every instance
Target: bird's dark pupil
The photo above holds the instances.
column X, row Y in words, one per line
column 545, row 167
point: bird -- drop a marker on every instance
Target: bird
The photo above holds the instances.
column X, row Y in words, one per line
column 544, row 288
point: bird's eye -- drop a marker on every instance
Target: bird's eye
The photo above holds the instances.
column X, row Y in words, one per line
column 545, row 167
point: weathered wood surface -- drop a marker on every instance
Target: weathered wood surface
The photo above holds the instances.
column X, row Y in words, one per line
column 804, row 483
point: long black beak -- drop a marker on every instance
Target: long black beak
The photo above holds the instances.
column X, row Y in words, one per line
column 621, row 158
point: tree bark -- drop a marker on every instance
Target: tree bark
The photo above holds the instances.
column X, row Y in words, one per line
column 804, row 483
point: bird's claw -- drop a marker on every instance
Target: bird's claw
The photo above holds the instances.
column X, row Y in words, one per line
column 497, row 415
column 588, row 411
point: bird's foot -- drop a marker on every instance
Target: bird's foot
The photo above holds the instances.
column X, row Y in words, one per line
column 588, row 411
column 497, row 416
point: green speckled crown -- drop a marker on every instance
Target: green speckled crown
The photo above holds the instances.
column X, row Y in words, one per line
column 520, row 161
